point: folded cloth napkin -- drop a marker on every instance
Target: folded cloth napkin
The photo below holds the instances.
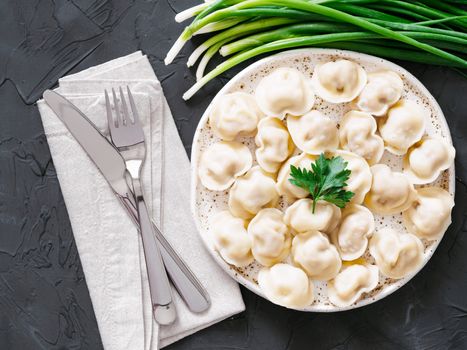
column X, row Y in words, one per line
column 107, row 241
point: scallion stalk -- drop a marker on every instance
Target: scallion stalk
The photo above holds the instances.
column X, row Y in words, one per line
column 218, row 26
column 191, row 12
column 443, row 20
column 366, row 12
column 207, row 57
column 325, row 11
column 284, row 33
column 246, row 28
column 438, row 40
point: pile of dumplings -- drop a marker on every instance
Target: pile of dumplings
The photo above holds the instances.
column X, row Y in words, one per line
column 295, row 246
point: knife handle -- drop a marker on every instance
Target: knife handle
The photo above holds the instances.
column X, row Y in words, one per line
column 187, row 285
column 185, row 282
column 159, row 286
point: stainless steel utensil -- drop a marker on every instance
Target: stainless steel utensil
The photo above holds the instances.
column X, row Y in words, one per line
column 127, row 135
column 112, row 166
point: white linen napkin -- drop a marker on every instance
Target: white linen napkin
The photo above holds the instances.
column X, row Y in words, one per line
column 107, row 241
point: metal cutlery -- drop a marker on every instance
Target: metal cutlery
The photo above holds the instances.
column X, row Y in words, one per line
column 127, row 135
column 112, row 166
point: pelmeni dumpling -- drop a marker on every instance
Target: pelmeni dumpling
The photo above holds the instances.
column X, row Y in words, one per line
column 351, row 283
column 284, row 91
column 271, row 237
column 222, row 162
column 252, row 192
column 359, row 181
column 313, row 132
column 274, row 144
column 316, row 256
column 356, row 227
column 403, row 126
column 286, row 285
column 425, row 160
column 357, row 134
column 300, row 217
column 396, row 254
column 287, row 189
column 231, row 239
column 391, row 192
column 233, row 115
column 339, row 81
column 384, row 88
column 430, row 214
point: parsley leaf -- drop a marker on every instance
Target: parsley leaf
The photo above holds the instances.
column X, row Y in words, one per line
column 325, row 181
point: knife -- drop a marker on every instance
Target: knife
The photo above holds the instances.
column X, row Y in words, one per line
column 112, row 166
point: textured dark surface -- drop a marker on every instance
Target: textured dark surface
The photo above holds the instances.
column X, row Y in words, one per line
column 44, row 302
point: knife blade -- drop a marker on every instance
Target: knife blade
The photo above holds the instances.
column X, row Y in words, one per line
column 104, row 155
column 112, row 166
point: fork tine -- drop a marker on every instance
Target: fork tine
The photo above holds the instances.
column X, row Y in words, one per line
column 110, row 119
column 133, row 106
column 126, row 115
column 117, row 109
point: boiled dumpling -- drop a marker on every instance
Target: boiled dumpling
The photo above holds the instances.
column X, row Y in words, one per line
column 313, row 133
column 300, row 217
column 284, row 91
column 396, row 254
column 351, row 283
column 286, row 285
column 252, row 192
column 403, row 126
column 339, row 81
column 359, row 181
column 231, row 239
column 271, row 237
column 274, row 144
column 316, row 256
column 384, row 88
column 284, row 186
column 425, row 161
column 222, row 162
column 233, row 115
column 356, row 227
column 391, row 192
column 357, row 134
column 430, row 214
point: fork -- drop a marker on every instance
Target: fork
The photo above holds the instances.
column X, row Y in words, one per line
column 127, row 135
column 185, row 282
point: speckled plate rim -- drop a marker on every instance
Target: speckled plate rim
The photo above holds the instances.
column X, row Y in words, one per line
column 195, row 157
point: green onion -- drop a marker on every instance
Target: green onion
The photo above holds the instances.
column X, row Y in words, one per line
column 233, row 33
column 418, row 28
column 206, row 58
column 283, row 33
column 366, row 12
column 428, row 12
column 436, row 21
column 319, row 9
column 192, row 11
column 217, row 26
column 438, row 40
column 248, row 28
column 446, row 7
column 400, row 11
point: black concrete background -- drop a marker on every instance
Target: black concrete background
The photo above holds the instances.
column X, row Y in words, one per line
column 44, row 301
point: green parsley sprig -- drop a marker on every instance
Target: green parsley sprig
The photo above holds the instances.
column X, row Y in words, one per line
column 325, row 181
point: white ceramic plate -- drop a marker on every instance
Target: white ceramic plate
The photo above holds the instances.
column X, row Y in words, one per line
column 205, row 203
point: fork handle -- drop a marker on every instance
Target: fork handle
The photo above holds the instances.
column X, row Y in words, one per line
column 185, row 282
column 159, row 286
